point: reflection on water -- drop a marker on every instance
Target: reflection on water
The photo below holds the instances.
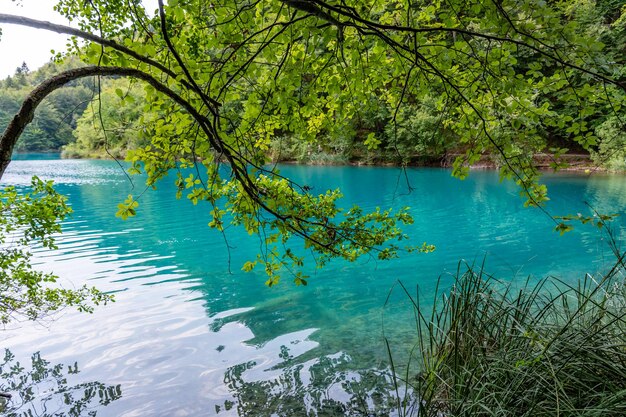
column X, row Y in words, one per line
column 192, row 335
column 323, row 387
column 44, row 390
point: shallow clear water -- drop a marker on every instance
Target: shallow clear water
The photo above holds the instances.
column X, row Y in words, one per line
column 190, row 334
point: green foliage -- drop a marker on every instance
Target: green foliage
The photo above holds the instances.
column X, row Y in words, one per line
column 127, row 208
column 296, row 215
column 611, row 150
column 113, row 123
column 26, row 220
column 417, row 132
column 599, row 220
column 398, row 79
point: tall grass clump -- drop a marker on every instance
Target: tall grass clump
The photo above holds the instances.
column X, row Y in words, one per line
column 548, row 348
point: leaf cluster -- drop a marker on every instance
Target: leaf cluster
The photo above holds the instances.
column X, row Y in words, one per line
column 27, row 220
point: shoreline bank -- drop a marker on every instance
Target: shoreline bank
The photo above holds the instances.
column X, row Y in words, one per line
column 576, row 163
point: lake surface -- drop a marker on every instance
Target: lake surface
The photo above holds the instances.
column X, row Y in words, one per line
column 191, row 334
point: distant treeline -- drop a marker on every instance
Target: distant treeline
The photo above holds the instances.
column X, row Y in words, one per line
column 71, row 121
column 56, row 118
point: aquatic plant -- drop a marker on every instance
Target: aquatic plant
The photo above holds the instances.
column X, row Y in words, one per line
column 544, row 348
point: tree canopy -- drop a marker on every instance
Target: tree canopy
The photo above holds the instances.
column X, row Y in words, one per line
column 223, row 79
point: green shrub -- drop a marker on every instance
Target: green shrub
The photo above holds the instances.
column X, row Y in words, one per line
column 611, row 152
column 121, row 125
column 417, row 132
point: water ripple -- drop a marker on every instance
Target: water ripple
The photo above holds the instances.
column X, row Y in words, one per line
column 190, row 333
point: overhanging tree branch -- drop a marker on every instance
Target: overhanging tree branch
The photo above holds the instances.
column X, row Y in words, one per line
column 27, row 111
column 200, row 59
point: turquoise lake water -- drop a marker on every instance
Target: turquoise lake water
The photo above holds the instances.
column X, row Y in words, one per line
column 192, row 335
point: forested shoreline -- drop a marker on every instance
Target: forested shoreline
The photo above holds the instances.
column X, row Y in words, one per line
column 106, row 118
column 56, row 119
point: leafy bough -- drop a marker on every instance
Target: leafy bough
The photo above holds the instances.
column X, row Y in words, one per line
column 226, row 77
column 27, row 219
column 261, row 200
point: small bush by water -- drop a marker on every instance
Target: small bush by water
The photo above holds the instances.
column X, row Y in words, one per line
column 540, row 349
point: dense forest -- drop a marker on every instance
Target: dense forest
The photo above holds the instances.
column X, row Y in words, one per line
column 107, row 117
column 56, row 119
